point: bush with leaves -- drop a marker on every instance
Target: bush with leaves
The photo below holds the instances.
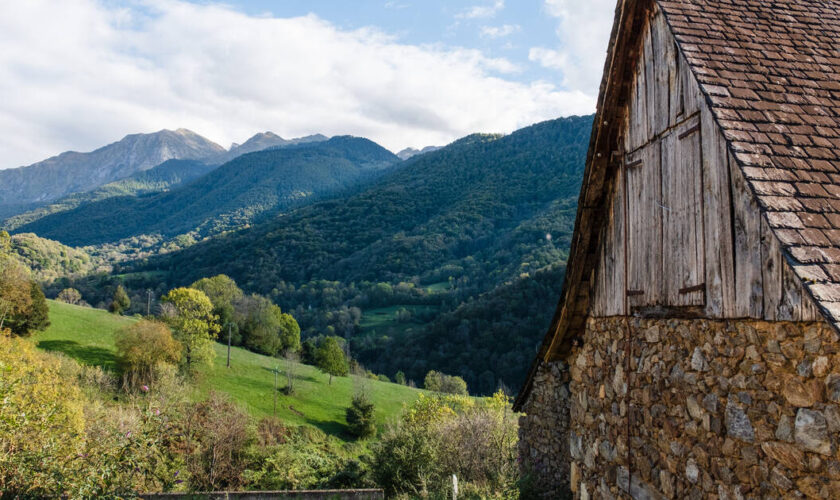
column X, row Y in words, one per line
column 142, row 348
column 265, row 327
column 69, row 296
column 41, row 423
column 303, row 458
column 218, row 435
column 444, row 435
column 440, row 382
column 120, row 301
column 361, row 421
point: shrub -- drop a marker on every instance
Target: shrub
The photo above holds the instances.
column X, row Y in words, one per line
column 305, row 459
column 141, row 348
column 41, row 423
column 120, row 301
column 440, row 382
column 360, row 416
column 440, row 436
column 400, row 378
column 218, row 436
column 69, row 296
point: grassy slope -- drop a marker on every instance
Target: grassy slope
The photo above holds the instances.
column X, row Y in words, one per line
column 87, row 335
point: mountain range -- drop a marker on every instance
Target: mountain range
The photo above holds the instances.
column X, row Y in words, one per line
column 230, row 196
column 74, row 172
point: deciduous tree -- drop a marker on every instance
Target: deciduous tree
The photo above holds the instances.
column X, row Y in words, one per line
column 15, row 289
column 69, row 296
column 120, row 301
column 193, row 324
column 331, row 359
column 35, row 318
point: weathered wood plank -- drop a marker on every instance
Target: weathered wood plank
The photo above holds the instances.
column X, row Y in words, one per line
column 692, row 96
column 644, row 227
column 771, row 276
column 682, row 223
column 649, row 87
column 747, row 243
column 660, row 43
column 608, row 296
column 719, row 259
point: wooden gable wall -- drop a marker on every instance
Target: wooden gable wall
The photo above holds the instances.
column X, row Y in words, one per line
column 684, row 234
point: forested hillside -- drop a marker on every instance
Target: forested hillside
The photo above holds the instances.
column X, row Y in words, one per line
column 443, row 231
column 49, row 259
column 160, row 178
column 230, row 196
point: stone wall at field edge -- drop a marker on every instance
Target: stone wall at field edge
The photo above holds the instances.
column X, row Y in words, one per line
column 726, row 409
column 358, row 494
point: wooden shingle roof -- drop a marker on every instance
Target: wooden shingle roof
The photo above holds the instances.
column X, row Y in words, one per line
column 770, row 72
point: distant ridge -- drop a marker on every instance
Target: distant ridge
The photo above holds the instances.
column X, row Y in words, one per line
column 73, row 172
column 228, row 197
column 261, row 141
column 411, row 152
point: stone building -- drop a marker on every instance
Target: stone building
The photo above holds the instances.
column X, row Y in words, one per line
column 695, row 350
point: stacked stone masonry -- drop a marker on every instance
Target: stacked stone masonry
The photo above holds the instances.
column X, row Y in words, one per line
column 710, row 409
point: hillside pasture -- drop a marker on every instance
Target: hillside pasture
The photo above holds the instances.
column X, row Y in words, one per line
column 87, row 335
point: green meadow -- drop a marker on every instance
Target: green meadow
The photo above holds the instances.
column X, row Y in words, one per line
column 87, row 335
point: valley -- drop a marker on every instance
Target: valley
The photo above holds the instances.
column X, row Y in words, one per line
column 389, row 300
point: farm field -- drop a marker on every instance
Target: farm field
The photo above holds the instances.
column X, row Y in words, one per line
column 384, row 321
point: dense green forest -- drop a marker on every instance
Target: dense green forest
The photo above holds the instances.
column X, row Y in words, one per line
column 163, row 177
column 231, row 196
column 460, row 231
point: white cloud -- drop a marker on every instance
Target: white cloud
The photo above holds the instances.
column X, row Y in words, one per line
column 500, row 31
column 78, row 74
column 584, row 31
column 482, row 11
column 548, row 58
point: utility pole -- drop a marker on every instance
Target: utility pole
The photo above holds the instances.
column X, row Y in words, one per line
column 149, row 303
column 230, row 325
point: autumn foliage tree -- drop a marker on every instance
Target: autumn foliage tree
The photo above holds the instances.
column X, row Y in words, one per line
column 15, row 286
column 190, row 315
column 35, row 318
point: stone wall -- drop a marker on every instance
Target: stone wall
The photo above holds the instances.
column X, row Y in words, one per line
column 543, row 431
column 357, row 494
column 711, row 409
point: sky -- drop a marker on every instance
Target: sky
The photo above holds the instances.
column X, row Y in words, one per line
column 80, row 74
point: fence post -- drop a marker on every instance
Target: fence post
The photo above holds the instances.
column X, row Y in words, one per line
column 454, row 487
